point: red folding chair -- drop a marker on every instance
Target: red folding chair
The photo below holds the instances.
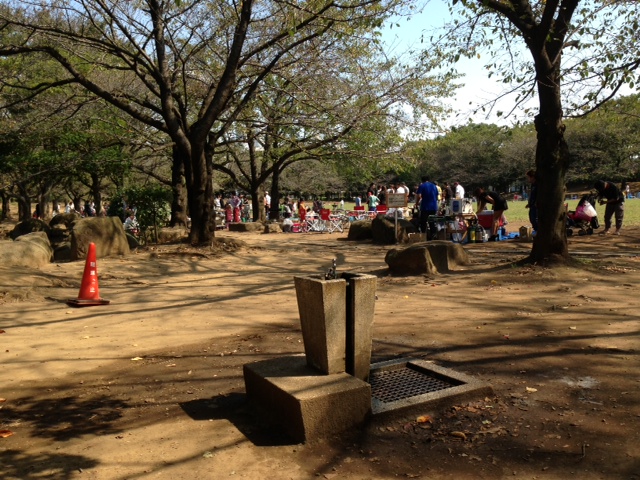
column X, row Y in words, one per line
column 359, row 213
column 331, row 222
column 324, row 214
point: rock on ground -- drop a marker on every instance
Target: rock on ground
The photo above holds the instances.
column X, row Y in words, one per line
column 383, row 230
column 30, row 250
column 106, row 232
column 426, row 257
column 360, row 230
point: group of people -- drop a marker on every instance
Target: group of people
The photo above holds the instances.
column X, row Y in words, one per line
column 431, row 200
column 234, row 209
column 88, row 210
column 377, row 195
column 429, row 195
column 290, row 207
column 238, row 208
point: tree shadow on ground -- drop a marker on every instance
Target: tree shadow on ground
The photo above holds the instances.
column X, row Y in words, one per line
column 16, row 464
column 69, row 417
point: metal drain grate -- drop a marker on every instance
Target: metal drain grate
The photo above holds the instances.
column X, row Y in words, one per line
column 390, row 385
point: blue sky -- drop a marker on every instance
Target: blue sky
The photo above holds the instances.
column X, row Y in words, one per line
column 477, row 86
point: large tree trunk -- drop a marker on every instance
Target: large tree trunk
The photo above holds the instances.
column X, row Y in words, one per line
column 200, row 198
column 179, row 200
column 552, row 155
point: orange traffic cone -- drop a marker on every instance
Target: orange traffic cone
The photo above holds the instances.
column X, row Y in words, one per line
column 89, row 292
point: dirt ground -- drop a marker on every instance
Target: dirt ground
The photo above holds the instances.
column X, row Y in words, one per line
column 151, row 385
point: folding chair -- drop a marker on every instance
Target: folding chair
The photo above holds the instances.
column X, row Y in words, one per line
column 331, row 222
column 314, row 223
column 360, row 213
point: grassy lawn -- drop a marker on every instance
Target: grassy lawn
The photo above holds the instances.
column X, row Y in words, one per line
column 518, row 213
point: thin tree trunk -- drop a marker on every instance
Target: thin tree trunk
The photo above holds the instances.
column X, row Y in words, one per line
column 6, row 206
column 274, row 212
column 257, row 204
column 24, row 204
column 96, row 194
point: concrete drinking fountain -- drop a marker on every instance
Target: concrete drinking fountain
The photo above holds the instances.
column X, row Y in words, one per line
column 333, row 386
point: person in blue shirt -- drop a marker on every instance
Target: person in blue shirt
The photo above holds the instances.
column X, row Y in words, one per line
column 427, row 200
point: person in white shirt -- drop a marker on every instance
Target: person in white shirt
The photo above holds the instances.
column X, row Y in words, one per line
column 131, row 224
column 401, row 188
column 267, row 204
column 459, row 190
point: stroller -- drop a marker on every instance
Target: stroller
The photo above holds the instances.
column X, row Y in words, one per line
column 585, row 217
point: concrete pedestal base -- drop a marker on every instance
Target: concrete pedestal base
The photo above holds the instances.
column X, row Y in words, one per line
column 306, row 403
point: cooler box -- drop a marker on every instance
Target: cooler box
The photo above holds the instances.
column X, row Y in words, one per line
column 485, row 218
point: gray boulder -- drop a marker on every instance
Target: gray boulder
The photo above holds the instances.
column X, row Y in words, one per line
column 427, row 257
column 273, row 228
column 62, row 252
column 360, row 230
column 106, row 232
column 29, row 250
column 383, row 230
column 132, row 241
column 65, row 219
column 60, row 235
column 246, row 227
column 29, row 226
column 172, row 234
